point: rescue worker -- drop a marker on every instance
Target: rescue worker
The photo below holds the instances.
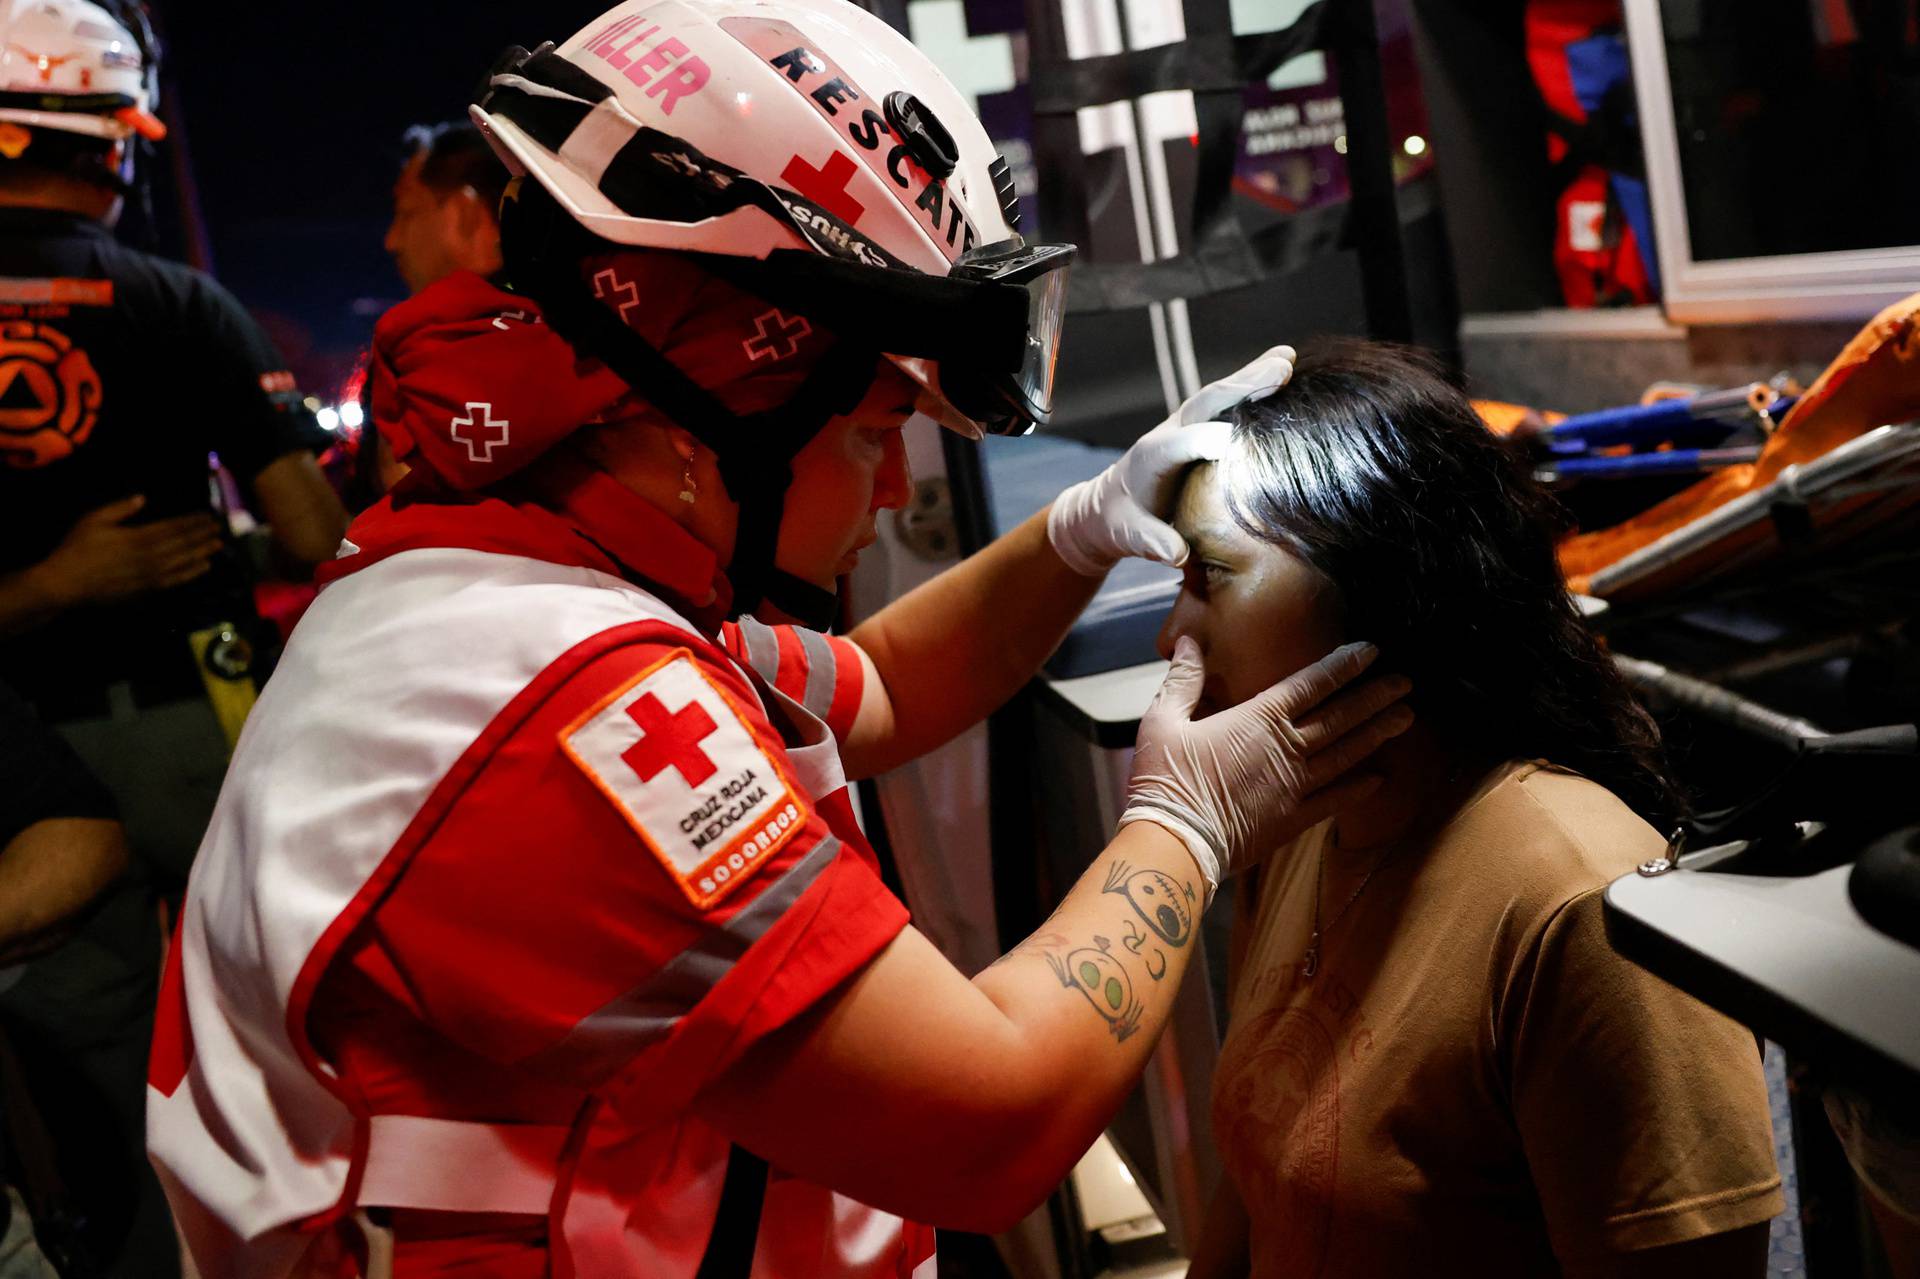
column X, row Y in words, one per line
column 535, row 926
column 445, row 218
column 120, row 373
column 446, row 205
column 124, row 614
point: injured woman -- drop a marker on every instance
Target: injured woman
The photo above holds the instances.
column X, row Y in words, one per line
column 1436, row 1064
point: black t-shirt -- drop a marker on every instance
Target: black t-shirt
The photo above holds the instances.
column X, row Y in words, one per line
column 45, row 779
column 120, row 373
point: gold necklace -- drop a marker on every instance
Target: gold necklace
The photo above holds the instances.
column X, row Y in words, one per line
column 1310, row 962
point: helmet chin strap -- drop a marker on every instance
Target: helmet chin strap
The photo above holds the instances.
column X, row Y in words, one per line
column 758, row 475
column 801, row 600
column 755, row 452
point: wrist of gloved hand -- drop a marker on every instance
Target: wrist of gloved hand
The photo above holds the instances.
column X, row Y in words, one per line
column 1072, row 525
column 1205, row 857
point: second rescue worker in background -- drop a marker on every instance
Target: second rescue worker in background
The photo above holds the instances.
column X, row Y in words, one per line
column 125, row 618
column 120, row 372
column 445, row 205
column 445, row 218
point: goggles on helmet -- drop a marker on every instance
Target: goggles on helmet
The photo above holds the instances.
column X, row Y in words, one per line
column 1013, row 402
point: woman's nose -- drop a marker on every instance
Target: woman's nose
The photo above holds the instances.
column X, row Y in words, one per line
column 1181, row 620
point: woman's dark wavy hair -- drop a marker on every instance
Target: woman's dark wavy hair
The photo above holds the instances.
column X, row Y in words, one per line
column 1373, row 468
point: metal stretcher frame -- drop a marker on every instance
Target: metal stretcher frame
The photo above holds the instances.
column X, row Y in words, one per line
column 1882, row 461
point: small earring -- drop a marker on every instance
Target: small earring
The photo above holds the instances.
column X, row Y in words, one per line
column 687, row 491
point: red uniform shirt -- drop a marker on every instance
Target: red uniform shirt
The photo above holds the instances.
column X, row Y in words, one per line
column 642, row 864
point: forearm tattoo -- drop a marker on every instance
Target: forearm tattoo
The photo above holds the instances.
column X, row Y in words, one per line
column 1106, row 975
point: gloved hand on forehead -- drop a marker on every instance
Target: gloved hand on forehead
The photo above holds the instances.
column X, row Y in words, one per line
column 1235, row 786
column 1122, row 510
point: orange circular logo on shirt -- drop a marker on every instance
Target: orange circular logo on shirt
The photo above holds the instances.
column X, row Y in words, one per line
column 49, row 394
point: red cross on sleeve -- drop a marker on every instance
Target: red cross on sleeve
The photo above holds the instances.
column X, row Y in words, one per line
column 671, row 740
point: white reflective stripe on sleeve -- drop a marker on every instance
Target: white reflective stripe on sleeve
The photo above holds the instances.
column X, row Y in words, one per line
column 607, row 1039
column 822, row 669
column 763, row 649
column 446, row 1165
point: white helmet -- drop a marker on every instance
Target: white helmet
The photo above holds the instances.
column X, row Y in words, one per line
column 741, row 128
column 73, row 67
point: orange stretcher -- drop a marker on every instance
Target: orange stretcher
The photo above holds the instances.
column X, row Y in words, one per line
column 1845, row 463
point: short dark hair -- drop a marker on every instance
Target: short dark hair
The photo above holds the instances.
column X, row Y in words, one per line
column 456, row 155
column 1370, row 465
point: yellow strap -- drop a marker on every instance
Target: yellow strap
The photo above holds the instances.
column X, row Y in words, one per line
column 231, row 697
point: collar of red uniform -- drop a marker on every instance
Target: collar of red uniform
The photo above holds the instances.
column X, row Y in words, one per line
column 582, row 518
column 633, row 532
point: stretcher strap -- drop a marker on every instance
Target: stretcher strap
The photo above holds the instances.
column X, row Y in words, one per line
column 1230, row 263
column 446, row 1165
column 1216, row 65
column 1214, row 61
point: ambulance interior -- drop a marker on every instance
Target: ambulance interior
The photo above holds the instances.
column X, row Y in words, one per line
column 1669, row 219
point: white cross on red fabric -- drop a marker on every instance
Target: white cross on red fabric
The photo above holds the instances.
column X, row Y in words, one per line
column 490, row 434
column 769, row 344
column 625, row 294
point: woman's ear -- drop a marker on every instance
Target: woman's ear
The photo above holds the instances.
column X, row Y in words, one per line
column 682, row 441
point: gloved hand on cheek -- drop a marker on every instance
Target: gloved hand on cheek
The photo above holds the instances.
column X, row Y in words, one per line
column 1235, row 786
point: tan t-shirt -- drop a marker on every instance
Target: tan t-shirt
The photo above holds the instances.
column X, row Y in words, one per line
column 1474, row 1082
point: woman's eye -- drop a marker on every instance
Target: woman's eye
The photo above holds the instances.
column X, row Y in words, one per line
column 1202, row 577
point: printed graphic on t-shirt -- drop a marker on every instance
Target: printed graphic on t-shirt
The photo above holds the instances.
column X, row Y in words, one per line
column 674, row 755
column 49, row 394
column 1280, row 1081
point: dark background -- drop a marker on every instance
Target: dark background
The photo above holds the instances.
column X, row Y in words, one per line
column 289, row 118
column 287, row 123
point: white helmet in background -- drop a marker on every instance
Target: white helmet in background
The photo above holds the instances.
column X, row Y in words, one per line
column 73, row 67
column 740, row 128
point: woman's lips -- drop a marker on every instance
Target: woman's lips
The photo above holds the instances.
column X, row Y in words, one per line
column 1213, row 699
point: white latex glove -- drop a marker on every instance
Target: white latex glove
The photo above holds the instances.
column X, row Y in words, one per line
column 1119, row 512
column 1237, row 785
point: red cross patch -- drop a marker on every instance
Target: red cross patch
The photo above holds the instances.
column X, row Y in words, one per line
column 674, row 755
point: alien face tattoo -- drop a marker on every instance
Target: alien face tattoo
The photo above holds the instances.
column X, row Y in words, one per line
column 1097, row 974
column 1166, row 907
